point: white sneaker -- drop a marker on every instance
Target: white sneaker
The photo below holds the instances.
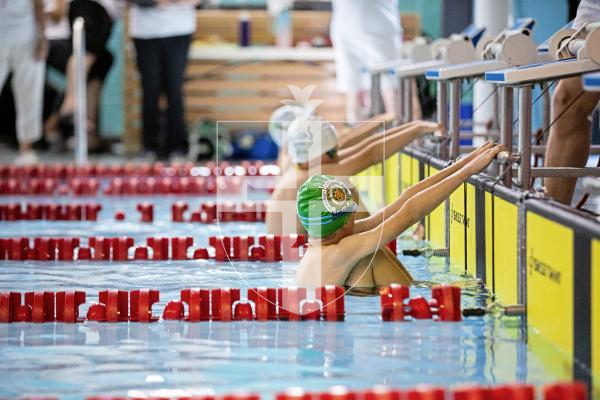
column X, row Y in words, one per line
column 29, row 157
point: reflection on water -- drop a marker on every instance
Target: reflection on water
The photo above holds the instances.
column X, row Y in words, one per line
column 178, row 358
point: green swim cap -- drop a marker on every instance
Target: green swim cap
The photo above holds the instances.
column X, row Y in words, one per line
column 324, row 205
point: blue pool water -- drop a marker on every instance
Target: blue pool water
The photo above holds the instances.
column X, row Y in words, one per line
column 179, row 358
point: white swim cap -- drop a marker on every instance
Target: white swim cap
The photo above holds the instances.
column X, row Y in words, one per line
column 310, row 137
column 281, row 119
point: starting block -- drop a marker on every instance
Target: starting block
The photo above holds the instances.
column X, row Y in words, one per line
column 445, row 304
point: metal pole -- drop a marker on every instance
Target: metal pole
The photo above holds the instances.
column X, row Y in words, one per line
column 81, row 146
column 400, row 101
column 376, row 100
column 442, row 113
column 506, row 132
column 454, row 118
column 525, row 136
column 408, row 103
column 547, row 100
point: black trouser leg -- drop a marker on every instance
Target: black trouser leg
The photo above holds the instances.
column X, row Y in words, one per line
column 174, row 60
column 149, row 65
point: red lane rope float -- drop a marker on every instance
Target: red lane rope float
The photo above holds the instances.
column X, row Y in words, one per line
column 444, row 304
column 480, row 392
column 194, row 305
column 50, row 212
column 208, row 212
column 268, row 248
column 100, row 170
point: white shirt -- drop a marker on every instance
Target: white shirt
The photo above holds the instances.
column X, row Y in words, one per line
column 160, row 22
column 56, row 30
column 17, row 22
column 588, row 11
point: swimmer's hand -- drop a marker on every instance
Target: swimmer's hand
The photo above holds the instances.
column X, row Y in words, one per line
column 484, row 158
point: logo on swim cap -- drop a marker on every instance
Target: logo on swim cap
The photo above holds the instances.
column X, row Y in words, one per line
column 335, row 196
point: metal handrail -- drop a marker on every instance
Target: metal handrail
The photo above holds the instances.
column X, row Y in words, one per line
column 80, row 123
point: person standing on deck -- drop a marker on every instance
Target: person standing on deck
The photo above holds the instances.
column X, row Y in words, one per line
column 162, row 32
column 23, row 53
column 364, row 33
column 570, row 138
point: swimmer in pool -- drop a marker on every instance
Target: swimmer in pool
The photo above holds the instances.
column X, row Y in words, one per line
column 283, row 116
column 312, row 156
column 347, row 251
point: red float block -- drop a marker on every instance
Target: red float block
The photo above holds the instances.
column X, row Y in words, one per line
column 392, row 246
column 177, row 210
column 179, row 247
column 201, row 254
column 34, row 212
column 310, row 310
column 392, row 302
column 45, row 248
column 288, row 303
column 54, row 212
column 174, row 311
column 210, row 212
column 419, row 308
column 196, row 216
column 159, row 246
column 17, row 249
column 42, row 306
column 332, row 300
column 470, row 393
column 290, row 247
column 140, row 253
column 512, row 392
column 337, row 393
column 566, row 391
column 198, row 301
column 222, row 245
column 272, row 245
column 141, row 302
column 257, row 253
column 222, row 303
column 146, row 211
column 249, row 211
column 73, row 212
column 13, row 212
column 241, row 247
column 120, row 248
column 91, row 211
column 67, row 306
column 426, row 393
column 447, row 299
column 265, row 303
column 381, row 393
column 113, row 307
column 241, row 396
column 119, row 215
column 242, row 311
column 101, row 246
column 294, row 394
column 84, row 253
column 9, row 304
column 226, row 212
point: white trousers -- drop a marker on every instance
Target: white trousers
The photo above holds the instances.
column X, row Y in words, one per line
column 27, row 86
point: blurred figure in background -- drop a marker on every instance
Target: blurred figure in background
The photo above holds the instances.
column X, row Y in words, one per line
column 98, row 16
column 364, row 32
column 162, row 32
column 570, row 136
column 23, row 53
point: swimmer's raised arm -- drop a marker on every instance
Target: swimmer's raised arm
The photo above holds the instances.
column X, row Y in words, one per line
column 358, row 246
column 371, row 222
column 365, row 129
column 374, row 138
column 382, row 149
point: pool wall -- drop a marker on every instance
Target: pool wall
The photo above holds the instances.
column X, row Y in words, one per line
column 526, row 250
